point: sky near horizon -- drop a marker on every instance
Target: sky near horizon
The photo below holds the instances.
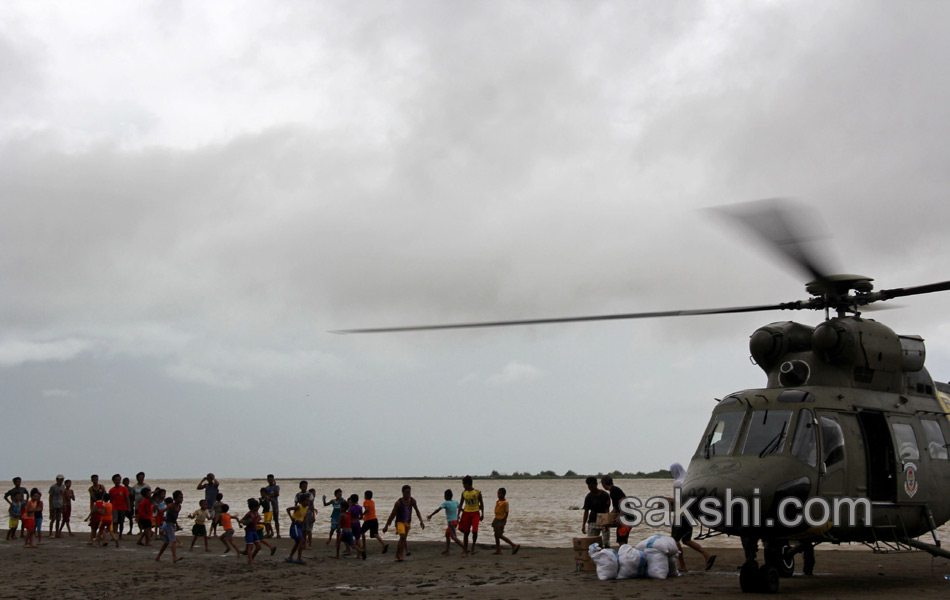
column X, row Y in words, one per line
column 193, row 194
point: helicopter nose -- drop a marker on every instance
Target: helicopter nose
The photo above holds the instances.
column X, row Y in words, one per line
column 743, row 503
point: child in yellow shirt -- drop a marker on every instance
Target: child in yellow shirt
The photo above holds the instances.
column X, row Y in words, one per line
column 498, row 524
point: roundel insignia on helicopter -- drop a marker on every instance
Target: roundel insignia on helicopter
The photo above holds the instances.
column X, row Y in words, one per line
column 910, row 479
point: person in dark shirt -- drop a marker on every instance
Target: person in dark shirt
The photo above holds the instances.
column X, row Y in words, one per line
column 616, row 497
column 597, row 502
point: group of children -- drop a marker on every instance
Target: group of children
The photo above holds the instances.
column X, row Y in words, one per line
column 156, row 515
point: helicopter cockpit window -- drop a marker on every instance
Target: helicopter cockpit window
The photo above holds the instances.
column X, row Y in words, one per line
column 721, row 436
column 805, row 443
column 936, row 443
column 767, row 432
column 832, row 441
column 906, row 441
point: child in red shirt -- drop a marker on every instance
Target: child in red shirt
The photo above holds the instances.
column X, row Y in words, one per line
column 144, row 515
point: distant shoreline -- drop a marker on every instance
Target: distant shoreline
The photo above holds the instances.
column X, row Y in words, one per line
column 519, row 476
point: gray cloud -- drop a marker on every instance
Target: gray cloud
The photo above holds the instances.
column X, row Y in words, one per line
column 190, row 200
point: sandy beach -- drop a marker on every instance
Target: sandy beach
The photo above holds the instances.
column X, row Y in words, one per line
column 68, row 568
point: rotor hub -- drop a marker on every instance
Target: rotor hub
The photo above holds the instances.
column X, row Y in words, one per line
column 839, row 285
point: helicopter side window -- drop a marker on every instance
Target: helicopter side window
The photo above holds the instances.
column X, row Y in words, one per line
column 936, row 443
column 906, row 441
column 805, row 443
column 767, row 432
column 722, row 434
column 832, row 441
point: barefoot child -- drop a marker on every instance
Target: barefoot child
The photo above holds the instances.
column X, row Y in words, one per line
column 306, row 496
column 68, row 497
column 200, row 516
column 143, row 514
column 104, row 510
column 335, row 514
column 261, row 534
column 402, row 513
column 356, row 515
column 473, row 513
column 452, row 520
column 298, row 513
column 38, row 515
column 498, row 524
column 216, row 509
column 171, row 511
column 370, row 521
column 227, row 538
column 16, row 505
column 26, row 516
column 344, row 533
column 267, row 509
column 251, row 538
column 118, row 495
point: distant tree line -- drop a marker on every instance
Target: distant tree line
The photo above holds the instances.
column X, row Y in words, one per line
column 569, row 474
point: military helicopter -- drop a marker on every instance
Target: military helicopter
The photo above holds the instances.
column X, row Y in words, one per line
column 849, row 411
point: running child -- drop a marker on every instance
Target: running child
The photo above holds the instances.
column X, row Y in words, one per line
column 498, row 524
column 200, row 516
column 298, row 513
column 371, row 522
column 158, row 511
column 104, row 509
column 227, row 538
column 344, row 533
column 452, row 522
column 216, row 509
column 170, row 514
column 306, row 496
column 260, row 534
column 356, row 515
column 251, row 538
column 335, row 514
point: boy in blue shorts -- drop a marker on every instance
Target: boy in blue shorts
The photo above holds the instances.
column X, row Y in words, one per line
column 298, row 514
column 251, row 538
column 452, row 522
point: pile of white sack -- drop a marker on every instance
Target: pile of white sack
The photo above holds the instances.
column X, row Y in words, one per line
column 654, row 557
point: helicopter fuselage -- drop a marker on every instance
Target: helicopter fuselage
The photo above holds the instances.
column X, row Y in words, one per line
column 850, row 418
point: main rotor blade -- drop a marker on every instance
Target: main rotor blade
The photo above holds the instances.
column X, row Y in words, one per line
column 641, row 315
column 942, row 286
column 783, row 225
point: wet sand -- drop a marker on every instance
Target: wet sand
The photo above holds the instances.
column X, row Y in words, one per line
column 68, row 568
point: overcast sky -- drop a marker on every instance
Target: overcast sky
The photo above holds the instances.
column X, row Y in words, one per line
column 193, row 193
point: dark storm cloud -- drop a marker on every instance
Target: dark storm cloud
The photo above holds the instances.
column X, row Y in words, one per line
column 202, row 195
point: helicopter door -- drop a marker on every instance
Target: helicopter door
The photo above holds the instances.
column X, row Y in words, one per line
column 833, row 460
column 842, row 455
column 881, row 462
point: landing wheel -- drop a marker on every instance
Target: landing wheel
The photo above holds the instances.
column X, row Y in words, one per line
column 749, row 577
column 768, row 579
column 780, row 558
